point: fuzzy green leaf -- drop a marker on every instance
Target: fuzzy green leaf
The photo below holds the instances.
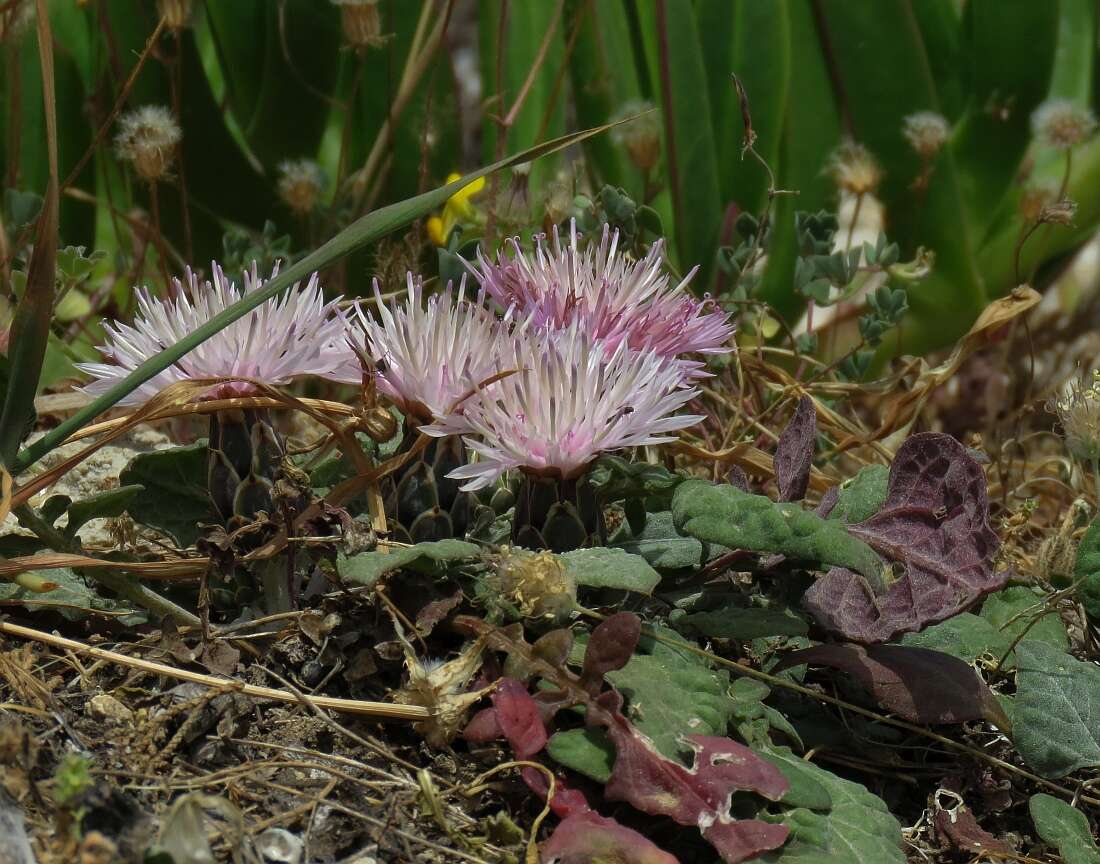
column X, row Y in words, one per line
column 856, row 827
column 73, row 598
column 662, row 545
column 670, row 694
column 173, row 498
column 586, row 751
column 739, row 520
column 112, row 502
column 1001, row 610
column 965, row 636
column 1057, row 710
column 733, row 622
column 601, row 567
column 862, row 496
column 1087, row 570
column 367, row 568
column 1064, row 827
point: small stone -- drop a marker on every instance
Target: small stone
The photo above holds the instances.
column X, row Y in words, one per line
column 279, row 846
column 107, row 707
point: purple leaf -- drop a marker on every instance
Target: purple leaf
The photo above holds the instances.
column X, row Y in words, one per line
column 609, row 648
column 699, row 796
column 794, row 455
column 585, row 838
column 935, row 525
column 917, row 684
column 959, row 827
column 828, row 502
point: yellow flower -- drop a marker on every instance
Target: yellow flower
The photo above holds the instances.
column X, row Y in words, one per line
column 458, row 209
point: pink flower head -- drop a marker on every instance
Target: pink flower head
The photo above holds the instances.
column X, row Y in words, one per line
column 571, row 399
column 617, row 300
column 291, row 335
column 429, row 356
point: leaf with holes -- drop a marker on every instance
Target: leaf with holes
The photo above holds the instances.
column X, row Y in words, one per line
column 935, row 525
column 1057, row 710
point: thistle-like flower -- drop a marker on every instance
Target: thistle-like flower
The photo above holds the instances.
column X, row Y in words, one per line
column 290, row 336
column 1061, row 124
column 361, row 22
column 618, row 301
column 428, row 356
column 301, row 183
column 926, row 132
column 854, row 169
column 569, row 401
column 148, row 137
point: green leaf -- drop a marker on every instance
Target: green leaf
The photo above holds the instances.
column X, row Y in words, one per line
column 739, row 520
column 73, row 599
column 1064, row 827
column 586, row 751
column 113, row 502
column 807, row 789
column 755, row 721
column 857, row 826
column 366, row 229
column 676, row 66
column 616, row 479
column 965, row 636
column 732, row 622
column 659, row 543
column 862, row 496
column 1001, row 608
column 671, row 694
column 1087, row 571
column 173, row 497
column 1057, row 711
column 601, row 567
column 366, row 568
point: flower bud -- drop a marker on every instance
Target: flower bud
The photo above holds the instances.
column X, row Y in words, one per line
column 1079, row 415
column 361, row 23
column 176, row 13
column 379, row 424
column 147, row 137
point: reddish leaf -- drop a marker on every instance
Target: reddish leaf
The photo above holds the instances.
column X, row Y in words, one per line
column 699, row 796
column 736, row 476
column 436, row 611
column 794, row 455
column 587, row 838
column 483, row 727
column 519, row 718
column 959, row 827
column 935, row 525
column 609, row 648
column 917, row 684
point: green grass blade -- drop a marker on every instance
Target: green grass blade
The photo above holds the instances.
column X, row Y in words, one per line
column 361, row 232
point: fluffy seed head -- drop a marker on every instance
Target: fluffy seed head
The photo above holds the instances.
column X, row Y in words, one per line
column 854, row 169
column 290, row 336
column 1078, row 413
column 569, row 401
column 1035, row 198
column 301, row 182
column 428, row 355
column 617, row 300
column 147, row 137
column 641, row 137
column 926, row 132
column 1061, row 124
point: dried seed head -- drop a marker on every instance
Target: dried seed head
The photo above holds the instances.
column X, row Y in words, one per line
column 926, row 132
column 1061, row 124
column 1035, row 198
column 1078, row 413
column 854, row 169
column 176, row 13
column 17, row 19
column 147, row 137
column 361, row 22
column 301, row 182
column 1061, row 212
column 642, row 136
column 537, row 582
